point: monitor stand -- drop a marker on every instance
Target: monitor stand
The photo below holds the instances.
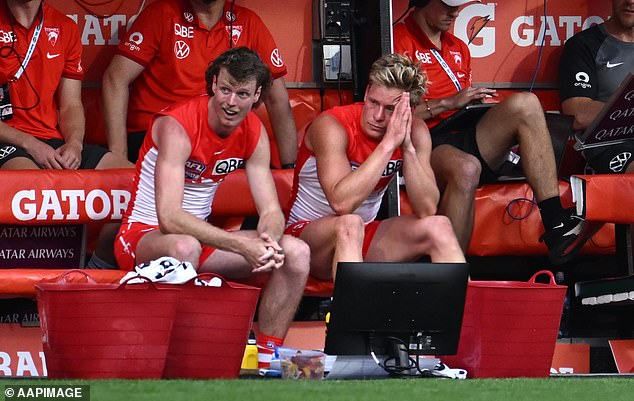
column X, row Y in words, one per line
column 364, row 367
column 356, row 367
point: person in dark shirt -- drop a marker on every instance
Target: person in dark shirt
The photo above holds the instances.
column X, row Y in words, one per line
column 593, row 65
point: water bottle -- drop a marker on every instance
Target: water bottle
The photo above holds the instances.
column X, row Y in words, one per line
column 250, row 357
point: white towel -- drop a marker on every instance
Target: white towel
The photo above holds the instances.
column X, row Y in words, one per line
column 162, row 270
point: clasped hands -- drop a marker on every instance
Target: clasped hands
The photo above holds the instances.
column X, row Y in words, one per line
column 265, row 254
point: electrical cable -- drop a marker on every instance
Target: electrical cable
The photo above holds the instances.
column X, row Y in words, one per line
column 532, row 202
column 231, row 18
column 541, row 51
column 339, row 65
column 389, row 363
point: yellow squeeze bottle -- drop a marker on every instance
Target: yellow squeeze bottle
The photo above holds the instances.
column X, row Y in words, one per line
column 250, row 357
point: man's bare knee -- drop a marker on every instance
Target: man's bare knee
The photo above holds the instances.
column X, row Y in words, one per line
column 297, row 256
column 525, row 105
column 435, row 231
column 428, row 224
column 442, row 230
column 349, row 228
column 186, row 248
column 466, row 175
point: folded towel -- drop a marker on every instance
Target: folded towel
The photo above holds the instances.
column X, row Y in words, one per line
column 162, row 270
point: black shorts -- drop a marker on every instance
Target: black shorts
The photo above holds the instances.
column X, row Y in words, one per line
column 135, row 140
column 91, row 155
column 465, row 140
column 612, row 159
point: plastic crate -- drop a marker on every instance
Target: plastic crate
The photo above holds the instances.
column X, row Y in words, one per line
column 92, row 330
column 509, row 328
column 210, row 330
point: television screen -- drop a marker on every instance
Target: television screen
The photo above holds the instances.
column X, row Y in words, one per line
column 386, row 307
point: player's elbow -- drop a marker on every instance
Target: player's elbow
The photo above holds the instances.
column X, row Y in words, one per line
column 168, row 224
column 429, row 209
column 112, row 80
column 427, row 206
column 343, row 207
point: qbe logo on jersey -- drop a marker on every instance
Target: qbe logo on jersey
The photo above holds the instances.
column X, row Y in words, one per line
column 393, row 167
column 223, row 167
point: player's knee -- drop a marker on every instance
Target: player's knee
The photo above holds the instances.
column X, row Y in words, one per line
column 186, row 248
column 435, row 230
column 443, row 230
column 349, row 228
column 525, row 105
column 466, row 174
column 297, row 256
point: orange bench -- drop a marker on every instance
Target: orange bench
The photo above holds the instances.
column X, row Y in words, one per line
column 43, row 197
column 95, row 197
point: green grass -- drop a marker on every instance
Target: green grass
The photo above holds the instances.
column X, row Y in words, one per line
column 591, row 389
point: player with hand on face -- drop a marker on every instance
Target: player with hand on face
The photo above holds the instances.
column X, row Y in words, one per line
column 348, row 157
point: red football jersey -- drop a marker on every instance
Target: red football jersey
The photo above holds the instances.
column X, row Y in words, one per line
column 211, row 159
column 175, row 48
column 411, row 40
column 309, row 200
column 57, row 55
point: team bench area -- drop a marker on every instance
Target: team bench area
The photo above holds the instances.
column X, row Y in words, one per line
column 50, row 219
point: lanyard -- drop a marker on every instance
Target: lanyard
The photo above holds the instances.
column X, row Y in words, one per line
column 445, row 67
column 29, row 53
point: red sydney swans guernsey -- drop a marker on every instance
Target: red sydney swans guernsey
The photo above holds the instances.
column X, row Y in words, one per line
column 309, row 201
column 211, row 159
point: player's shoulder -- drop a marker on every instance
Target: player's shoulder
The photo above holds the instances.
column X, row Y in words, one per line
column 455, row 42
column 593, row 34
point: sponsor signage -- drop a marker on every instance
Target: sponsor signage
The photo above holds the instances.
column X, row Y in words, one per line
column 43, row 246
column 615, row 123
column 505, row 37
column 21, row 351
column 64, row 197
column 43, row 215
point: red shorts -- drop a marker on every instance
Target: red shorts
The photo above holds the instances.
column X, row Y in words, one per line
column 296, row 229
column 128, row 238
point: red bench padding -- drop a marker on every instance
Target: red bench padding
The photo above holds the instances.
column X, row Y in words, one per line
column 495, row 233
column 608, row 197
column 20, row 283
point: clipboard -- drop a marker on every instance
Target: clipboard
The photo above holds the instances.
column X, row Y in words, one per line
column 615, row 123
column 468, row 115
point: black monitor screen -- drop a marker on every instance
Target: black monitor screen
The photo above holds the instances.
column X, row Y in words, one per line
column 420, row 304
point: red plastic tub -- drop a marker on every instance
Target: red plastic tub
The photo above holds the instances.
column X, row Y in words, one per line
column 92, row 330
column 210, row 330
column 509, row 328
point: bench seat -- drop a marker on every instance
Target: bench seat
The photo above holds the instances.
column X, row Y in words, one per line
column 95, row 197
